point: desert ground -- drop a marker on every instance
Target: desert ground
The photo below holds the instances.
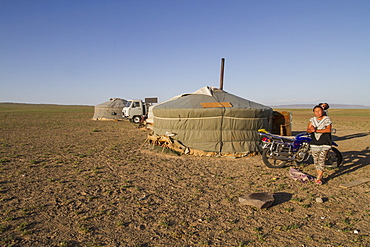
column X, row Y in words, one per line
column 66, row 180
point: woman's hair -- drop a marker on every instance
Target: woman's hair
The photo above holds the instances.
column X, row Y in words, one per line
column 317, row 106
column 326, row 105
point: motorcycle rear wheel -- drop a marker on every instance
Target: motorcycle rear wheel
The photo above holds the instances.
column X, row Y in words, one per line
column 272, row 162
column 334, row 158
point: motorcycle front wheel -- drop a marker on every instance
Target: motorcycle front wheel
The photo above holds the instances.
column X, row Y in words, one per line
column 272, row 162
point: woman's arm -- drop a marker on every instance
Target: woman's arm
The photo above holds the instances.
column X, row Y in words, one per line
column 326, row 130
column 310, row 128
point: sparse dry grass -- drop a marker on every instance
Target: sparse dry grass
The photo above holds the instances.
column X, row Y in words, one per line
column 66, row 180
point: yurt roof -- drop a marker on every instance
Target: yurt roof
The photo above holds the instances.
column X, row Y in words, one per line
column 113, row 102
column 207, row 100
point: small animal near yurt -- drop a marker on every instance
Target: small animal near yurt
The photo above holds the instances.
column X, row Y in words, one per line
column 212, row 120
column 110, row 110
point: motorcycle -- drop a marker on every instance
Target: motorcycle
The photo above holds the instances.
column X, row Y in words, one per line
column 278, row 151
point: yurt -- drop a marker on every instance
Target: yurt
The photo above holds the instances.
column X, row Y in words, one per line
column 110, row 110
column 212, row 120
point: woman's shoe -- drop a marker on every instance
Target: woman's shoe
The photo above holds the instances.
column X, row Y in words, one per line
column 318, row 181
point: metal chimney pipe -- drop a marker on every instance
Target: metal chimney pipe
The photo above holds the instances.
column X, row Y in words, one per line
column 222, row 74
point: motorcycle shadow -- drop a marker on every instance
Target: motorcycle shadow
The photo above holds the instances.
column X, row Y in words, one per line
column 352, row 161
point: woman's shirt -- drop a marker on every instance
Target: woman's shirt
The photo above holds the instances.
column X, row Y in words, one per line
column 321, row 138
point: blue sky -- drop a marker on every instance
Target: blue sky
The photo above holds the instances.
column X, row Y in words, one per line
column 276, row 52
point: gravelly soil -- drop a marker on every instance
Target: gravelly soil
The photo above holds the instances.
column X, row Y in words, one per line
column 66, row 180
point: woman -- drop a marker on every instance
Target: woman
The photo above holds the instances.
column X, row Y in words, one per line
column 320, row 129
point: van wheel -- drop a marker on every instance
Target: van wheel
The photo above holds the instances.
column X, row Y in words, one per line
column 136, row 119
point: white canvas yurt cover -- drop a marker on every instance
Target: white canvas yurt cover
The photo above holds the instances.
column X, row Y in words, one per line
column 212, row 120
column 110, row 110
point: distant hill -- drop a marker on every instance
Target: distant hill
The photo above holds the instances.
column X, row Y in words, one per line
column 292, row 106
column 332, row 106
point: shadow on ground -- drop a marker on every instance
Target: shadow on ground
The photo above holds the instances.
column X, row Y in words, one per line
column 352, row 161
column 281, row 197
column 347, row 137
